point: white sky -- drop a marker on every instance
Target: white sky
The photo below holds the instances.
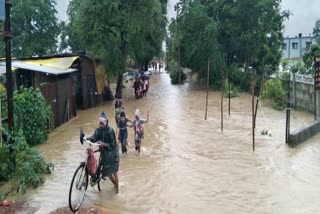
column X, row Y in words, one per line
column 302, row 20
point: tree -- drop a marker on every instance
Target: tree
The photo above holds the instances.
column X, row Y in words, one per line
column 316, row 29
column 35, row 27
column 72, row 28
column 63, row 46
column 146, row 42
column 249, row 32
column 117, row 28
column 308, row 58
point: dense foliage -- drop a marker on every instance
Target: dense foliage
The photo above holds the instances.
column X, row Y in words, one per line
column 308, row 59
column 227, row 33
column 274, row 89
column 118, row 30
column 175, row 77
column 32, row 115
column 23, row 165
column 35, row 27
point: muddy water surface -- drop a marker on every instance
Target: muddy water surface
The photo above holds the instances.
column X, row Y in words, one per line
column 187, row 164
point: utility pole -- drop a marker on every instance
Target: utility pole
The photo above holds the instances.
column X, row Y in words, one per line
column 9, row 84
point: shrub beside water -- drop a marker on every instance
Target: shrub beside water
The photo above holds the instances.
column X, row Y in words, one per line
column 22, row 165
column 273, row 89
column 234, row 90
column 32, row 115
column 175, row 77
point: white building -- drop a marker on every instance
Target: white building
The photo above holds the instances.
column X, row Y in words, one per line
column 295, row 47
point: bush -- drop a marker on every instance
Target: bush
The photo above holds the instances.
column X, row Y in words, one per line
column 32, row 115
column 273, row 89
column 175, row 77
column 234, row 91
column 240, row 79
column 29, row 166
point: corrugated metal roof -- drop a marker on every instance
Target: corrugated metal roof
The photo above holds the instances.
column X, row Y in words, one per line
column 3, row 69
column 55, row 62
column 44, row 69
column 54, row 66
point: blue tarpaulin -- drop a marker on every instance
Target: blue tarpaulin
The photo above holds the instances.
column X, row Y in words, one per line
column 2, row 10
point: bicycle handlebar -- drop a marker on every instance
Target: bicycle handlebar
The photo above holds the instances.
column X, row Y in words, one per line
column 91, row 143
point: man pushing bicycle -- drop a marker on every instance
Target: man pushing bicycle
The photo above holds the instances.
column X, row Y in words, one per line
column 109, row 164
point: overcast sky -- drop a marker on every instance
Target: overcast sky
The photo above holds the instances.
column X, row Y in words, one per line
column 302, row 20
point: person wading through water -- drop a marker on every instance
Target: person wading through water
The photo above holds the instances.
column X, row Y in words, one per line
column 118, row 107
column 138, row 128
column 109, row 164
column 122, row 130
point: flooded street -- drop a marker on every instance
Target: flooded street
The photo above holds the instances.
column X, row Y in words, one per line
column 187, row 164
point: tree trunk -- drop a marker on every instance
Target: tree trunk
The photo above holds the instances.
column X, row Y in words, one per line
column 146, row 65
column 123, row 49
column 208, row 73
column 119, row 86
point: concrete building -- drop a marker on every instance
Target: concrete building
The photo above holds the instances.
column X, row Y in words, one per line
column 295, row 47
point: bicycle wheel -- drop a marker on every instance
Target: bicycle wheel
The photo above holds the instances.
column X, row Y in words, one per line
column 78, row 187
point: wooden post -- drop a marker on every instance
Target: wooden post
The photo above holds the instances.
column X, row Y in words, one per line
column 253, row 120
column 288, row 113
column 222, row 88
column 208, row 74
column 229, row 91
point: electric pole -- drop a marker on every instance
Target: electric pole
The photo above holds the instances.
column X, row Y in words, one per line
column 9, row 84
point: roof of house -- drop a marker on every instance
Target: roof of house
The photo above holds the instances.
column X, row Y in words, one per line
column 54, row 66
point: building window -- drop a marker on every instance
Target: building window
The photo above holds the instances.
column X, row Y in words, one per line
column 284, row 46
column 294, row 45
column 308, row 45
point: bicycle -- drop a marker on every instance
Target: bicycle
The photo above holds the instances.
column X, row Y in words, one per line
column 80, row 179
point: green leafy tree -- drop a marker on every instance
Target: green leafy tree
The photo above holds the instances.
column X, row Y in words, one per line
column 63, row 46
column 199, row 40
column 72, row 28
column 117, row 28
column 35, row 27
column 308, row 58
column 249, row 32
column 316, row 29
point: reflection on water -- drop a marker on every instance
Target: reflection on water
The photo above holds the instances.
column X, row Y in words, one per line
column 187, row 164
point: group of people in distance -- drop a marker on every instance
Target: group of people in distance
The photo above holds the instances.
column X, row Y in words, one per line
column 141, row 86
column 105, row 135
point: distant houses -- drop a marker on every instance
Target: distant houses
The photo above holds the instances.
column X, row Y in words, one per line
column 67, row 81
column 295, row 47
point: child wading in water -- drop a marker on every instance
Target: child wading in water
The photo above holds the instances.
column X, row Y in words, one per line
column 123, row 131
column 137, row 125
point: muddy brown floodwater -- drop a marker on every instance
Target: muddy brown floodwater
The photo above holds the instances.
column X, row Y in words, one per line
column 187, row 164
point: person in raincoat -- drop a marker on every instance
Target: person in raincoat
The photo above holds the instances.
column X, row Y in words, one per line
column 109, row 164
